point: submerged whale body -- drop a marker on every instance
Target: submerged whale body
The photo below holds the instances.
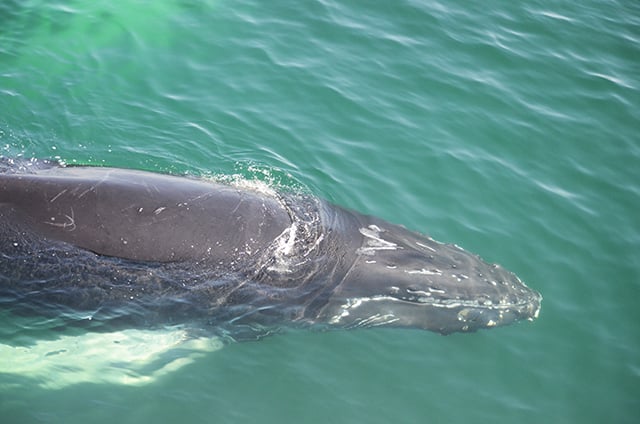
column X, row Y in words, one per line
column 135, row 248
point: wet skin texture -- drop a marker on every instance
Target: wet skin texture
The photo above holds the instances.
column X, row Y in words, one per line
column 134, row 248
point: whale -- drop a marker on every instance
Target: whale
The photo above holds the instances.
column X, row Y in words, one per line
column 131, row 248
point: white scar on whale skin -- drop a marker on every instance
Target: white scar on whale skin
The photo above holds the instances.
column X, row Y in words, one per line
column 374, row 242
column 70, row 225
column 53, row 199
column 433, row 271
column 425, row 246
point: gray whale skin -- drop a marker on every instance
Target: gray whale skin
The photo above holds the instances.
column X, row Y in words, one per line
column 123, row 247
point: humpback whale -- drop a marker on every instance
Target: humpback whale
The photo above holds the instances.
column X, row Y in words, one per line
column 134, row 248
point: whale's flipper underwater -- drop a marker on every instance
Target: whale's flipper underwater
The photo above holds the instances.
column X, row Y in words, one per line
column 133, row 249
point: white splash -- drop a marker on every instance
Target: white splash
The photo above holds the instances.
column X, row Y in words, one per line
column 355, row 303
column 238, row 181
column 285, row 243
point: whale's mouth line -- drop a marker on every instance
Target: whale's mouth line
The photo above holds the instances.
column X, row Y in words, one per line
column 443, row 303
column 466, row 310
column 456, row 303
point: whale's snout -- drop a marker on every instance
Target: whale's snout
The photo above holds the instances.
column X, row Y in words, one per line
column 403, row 279
column 515, row 302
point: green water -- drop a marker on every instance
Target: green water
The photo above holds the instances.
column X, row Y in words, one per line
column 509, row 128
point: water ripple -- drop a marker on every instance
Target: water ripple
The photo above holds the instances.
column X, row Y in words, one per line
column 509, row 128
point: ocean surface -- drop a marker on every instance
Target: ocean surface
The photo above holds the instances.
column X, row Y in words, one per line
column 509, row 128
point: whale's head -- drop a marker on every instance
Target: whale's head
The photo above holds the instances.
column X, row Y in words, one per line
column 403, row 279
